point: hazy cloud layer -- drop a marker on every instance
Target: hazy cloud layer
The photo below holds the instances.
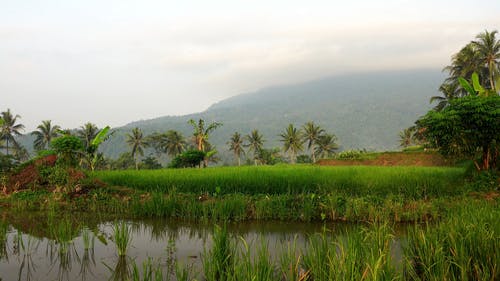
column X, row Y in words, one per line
column 112, row 62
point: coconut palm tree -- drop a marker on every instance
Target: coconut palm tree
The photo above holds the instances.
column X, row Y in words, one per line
column 255, row 144
column 488, row 49
column 406, row 137
column 175, row 143
column 292, row 141
column 44, row 134
column 201, row 134
column 87, row 133
column 326, row 145
column 236, row 146
column 311, row 134
column 10, row 129
column 137, row 141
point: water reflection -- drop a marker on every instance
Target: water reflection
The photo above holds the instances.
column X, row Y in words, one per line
column 39, row 248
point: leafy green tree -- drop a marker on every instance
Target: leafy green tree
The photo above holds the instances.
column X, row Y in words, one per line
column 189, row 158
column 236, row 146
column 44, row 134
column 270, row 156
column 255, row 144
column 311, row 134
column 123, row 162
column 10, row 129
column 201, row 133
column 68, row 149
column 150, row 163
column 326, row 145
column 137, row 142
column 292, row 141
column 87, row 133
column 469, row 126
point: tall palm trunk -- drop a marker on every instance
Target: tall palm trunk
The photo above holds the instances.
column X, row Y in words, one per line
column 313, row 157
column 491, row 66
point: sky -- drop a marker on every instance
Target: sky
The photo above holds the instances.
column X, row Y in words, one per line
column 111, row 62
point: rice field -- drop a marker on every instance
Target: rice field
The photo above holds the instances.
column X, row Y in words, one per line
column 408, row 182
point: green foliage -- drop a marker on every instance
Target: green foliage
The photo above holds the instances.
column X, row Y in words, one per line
column 68, row 149
column 7, row 162
column 467, row 126
column 124, row 162
column 189, row 158
column 150, row 163
column 122, row 237
column 350, row 155
column 304, row 159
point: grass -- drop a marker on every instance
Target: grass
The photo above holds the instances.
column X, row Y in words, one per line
column 409, row 182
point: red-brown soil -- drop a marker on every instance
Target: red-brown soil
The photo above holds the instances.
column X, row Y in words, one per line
column 393, row 159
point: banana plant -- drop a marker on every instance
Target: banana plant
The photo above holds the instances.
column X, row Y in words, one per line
column 476, row 89
column 92, row 156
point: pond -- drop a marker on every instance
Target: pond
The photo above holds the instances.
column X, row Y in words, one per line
column 37, row 247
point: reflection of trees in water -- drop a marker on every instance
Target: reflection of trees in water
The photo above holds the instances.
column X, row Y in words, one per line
column 4, row 228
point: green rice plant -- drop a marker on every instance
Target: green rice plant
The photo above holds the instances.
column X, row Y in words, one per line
column 408, row 182
column 290, row 262
column 150, row 272
column 63, row 233
column 88, row 239
column 122, row 236
column 254, row 266
column 460, row 247
column 219, row 261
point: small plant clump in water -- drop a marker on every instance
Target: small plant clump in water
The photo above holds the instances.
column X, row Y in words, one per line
column 122, row 237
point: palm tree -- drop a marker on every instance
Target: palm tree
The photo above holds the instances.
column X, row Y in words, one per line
column 255, row 143
column 87, row 133
column 292, row 141
column 406, row 137
column 10, row 129
column 311, row 134
column 326, row 145
column 44, row 134
column 236, row 146
column 201, row 134
column 175, row 143
column 488, row 49
column 137, row 142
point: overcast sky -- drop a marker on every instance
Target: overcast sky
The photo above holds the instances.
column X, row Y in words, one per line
column 113, row 62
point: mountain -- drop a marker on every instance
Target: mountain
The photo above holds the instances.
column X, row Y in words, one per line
column 364, row 110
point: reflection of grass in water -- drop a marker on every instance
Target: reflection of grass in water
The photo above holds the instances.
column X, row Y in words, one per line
column 122, row 269
column 122, row 237
column 87, row 261
column 28, row 247
column 4, row 227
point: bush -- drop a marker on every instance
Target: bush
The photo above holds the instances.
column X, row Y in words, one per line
column 68, row 149
column 190, row 158
column 350, row 155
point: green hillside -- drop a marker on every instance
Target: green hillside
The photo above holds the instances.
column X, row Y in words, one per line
column 364, row 110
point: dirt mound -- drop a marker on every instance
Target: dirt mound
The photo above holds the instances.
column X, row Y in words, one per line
column 393, row 159
column 35, row 175
column 28, row 176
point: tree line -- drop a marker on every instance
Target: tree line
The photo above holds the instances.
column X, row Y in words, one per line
column 81, row 146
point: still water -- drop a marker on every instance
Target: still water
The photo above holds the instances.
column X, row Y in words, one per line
column 32, row 249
